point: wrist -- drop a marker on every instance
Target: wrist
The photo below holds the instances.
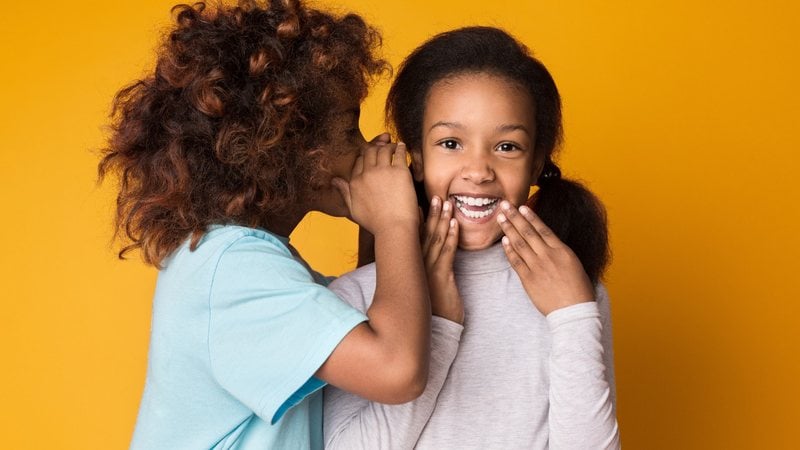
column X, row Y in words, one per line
column 397, row 227
column 453, row 315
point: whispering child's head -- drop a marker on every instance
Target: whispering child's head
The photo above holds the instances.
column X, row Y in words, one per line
column 249, row 112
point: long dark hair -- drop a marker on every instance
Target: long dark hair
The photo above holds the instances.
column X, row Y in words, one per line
column 574, row 214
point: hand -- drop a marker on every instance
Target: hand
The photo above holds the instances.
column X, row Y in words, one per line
column 439, row 243
column 551, row 274
column 380, row 194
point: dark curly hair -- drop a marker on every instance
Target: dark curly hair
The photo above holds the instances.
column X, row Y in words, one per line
column 230, row 125
column 575, row 215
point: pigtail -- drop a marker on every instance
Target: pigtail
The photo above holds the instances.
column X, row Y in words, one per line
column 576, row 216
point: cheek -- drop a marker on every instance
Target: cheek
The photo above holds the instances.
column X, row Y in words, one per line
column 436, row 183
column 520, row 185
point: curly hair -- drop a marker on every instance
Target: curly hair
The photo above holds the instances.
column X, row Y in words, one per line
column 231, row 125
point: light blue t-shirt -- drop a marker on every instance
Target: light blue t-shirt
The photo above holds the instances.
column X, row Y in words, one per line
column 239, row 328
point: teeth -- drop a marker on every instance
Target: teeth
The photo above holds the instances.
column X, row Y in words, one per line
column 474, row 201
column 461, row 200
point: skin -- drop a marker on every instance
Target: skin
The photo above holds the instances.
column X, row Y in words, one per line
column 477, row 140
column 478, row 137
column 386, row 358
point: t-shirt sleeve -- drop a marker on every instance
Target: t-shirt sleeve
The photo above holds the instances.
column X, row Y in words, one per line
column 271, row 326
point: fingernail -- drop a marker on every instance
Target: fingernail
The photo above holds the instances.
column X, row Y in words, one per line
column 501, row 217
column 452, row 223
column 525, row 210
column 435, row 201
column 505, row 240
column 505, row 205
column 446, row 206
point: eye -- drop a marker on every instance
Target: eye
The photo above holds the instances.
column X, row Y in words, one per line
column 507, row 147
column 450, row 144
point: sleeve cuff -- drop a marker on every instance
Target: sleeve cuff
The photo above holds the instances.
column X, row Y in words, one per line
column 447, row 328
column 573, row 313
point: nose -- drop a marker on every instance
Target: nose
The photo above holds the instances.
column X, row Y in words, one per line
column 477, row 168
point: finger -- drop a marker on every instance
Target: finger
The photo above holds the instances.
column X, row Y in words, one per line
column 430, row 225
column 514, row 259
column 381, row 139
column 524, row 228
column 344, row 190
column 515, row 239
column 548, row 236
column 385, row 153
column 448, row 252
column 371, row 155
column 400, row 154
column 440, row 231
column 358, row 166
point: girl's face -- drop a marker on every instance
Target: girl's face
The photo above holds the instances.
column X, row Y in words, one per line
column 347, row 142
column 478, row 132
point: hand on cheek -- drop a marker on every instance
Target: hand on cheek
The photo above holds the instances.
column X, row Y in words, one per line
column 551, row 274
column 439, row 243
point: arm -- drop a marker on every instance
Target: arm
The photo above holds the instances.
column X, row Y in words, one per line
column 386, row 359
column 581, row 411
column 352, row 422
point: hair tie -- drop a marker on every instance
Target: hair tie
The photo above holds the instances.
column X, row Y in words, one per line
column 549, row 172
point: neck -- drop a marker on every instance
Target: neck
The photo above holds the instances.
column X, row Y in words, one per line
column 284, row 224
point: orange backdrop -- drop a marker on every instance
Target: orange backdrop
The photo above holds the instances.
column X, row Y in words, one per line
column 681, row 115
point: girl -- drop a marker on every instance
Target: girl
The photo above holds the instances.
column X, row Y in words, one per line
column 532, row 365
column 248, row 122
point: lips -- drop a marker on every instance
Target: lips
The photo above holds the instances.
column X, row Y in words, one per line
column 477, row 208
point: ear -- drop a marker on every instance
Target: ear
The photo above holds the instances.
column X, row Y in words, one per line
column 416, row 165
column 536, row 169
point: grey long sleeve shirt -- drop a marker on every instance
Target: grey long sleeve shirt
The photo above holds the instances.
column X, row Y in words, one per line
column 509, row 378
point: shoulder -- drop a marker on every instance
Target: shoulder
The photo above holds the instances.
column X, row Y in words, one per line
column 244, row 256
column 601, row 293
column 243, row 239
column 356, row 287
column 603, row 302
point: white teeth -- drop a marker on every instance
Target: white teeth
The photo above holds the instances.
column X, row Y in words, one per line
column 474, row 201
column 461, row 200
column 475, row 214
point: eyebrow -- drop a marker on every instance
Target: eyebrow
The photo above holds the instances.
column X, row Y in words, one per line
column 446, row 125
column 513, row 127
column 502, row 128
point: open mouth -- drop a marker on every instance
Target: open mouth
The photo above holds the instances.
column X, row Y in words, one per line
column 475, row 208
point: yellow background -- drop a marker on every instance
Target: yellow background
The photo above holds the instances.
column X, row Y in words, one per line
column 681, row 115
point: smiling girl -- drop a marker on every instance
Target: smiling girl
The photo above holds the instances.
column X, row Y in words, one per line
column 521, row 334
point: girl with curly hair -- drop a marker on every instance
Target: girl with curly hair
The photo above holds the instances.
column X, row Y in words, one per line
column 521, row 353
column 248, row 122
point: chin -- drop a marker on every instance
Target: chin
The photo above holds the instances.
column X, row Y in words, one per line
column 478, row 241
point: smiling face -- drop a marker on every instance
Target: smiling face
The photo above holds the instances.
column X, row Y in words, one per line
column 478, row 133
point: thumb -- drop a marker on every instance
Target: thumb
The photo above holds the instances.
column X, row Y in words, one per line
column 344, row 190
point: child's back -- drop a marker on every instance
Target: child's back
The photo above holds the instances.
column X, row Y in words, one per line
column 218, row 352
